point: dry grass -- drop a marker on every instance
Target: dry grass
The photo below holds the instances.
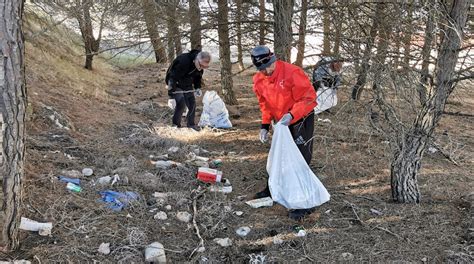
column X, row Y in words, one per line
column 350, row 158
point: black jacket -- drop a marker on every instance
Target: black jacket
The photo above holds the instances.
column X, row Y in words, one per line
column 183, row 74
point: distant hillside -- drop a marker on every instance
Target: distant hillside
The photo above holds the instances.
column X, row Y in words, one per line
column 54, row 70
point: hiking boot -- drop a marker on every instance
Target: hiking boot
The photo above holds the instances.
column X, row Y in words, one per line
column 299, row 214
column 262, row 194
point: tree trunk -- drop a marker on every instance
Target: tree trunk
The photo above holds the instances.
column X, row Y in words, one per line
column 338, row 31
column 175, row 28
column 240, row 59
column 173, row 40
column 261, row 37
column 407, row 158
column 302, row 33
column 12, row 108
column 195, row 21
column 326, row 28
column 150, row 14
column 84, row 19
column 282, row 28
column 407, row 35
column 224, row 52
column 364, row 69
column 426, row 54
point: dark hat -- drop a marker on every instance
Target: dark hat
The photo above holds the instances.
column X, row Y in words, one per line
column 262, row 57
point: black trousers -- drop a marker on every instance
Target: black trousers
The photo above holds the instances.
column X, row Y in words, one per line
column 184, row 100
column 302, row 132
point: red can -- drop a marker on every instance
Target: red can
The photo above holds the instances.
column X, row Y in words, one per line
column 209, row 175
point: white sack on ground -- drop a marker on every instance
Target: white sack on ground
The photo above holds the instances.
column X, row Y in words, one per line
column 292, row 183
column 214, row 112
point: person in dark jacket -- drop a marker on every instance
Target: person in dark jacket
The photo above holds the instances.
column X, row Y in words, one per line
column 183, row 79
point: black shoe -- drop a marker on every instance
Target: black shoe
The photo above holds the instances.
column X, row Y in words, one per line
column 299, row 214
column 195, row 128
column 262, row 194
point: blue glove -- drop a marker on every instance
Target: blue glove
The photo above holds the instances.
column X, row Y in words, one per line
column 198, row 93
column 286, row 119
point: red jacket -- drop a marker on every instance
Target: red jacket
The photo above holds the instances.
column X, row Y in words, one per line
column 287, row 90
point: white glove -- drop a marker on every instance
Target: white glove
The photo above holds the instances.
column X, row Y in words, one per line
column 263, row 135
column 172, row 103
column 198, row 93
column 286, row 119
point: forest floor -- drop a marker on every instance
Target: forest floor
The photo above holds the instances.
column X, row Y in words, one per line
column 117, row 131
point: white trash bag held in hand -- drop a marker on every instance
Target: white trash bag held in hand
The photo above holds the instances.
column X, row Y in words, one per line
column 214, row 112
column 292, row 183
column 326, row 98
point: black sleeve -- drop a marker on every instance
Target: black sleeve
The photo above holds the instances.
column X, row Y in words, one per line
column 197, row 80
column 177, row 71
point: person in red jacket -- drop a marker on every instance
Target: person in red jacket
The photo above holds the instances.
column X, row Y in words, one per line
column 286, row 95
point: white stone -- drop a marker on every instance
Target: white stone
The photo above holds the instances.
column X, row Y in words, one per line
column 238, row 213
column 160, row 216
column 104, row 248
column 104, row 180
column 163, row 164
column 168, row 207
column 155, row 252
column 87, row 172
column 301, row 233
column 160, row 195
column 347, row 256
column 223, row 242
column 71, row 173
column 184, row 217
column 173, row 149
column 201, row 249
column 432, row 150
column 243, row 231
column 277, row 240
column 375, row 211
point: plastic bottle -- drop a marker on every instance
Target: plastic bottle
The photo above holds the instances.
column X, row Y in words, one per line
column 73, row 187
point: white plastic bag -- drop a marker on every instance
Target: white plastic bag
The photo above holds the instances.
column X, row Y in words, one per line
column 326, row 98
column 214, row 112
column 292, row 183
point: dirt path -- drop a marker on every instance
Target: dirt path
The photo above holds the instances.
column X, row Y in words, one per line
column 358, row 224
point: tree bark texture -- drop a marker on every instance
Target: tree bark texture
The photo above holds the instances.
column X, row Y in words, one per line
column 411, row 145
column 302, row 33
column 326, row 28
column 174, row 38
column 408, row 34
column 261, row 37
column 224, row 52
column 12, row 108
column 338, row 23
column 282, row 28
column 91, row 45
column 240, row 59
column 426, row 53
column 150, row 13
column 195, row 22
